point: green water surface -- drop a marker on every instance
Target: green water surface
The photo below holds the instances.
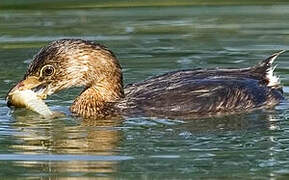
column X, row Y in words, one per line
column 149, row 39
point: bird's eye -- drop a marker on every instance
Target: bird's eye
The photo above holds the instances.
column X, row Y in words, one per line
column 47, row 70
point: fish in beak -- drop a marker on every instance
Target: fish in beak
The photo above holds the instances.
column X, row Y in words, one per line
column 30, row 83
column 29, row 93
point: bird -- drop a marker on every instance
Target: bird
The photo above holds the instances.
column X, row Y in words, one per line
column 187, row 94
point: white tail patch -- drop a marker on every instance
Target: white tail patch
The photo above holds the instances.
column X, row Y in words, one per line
column 272, row 78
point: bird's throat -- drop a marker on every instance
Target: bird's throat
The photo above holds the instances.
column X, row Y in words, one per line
column 97, row 102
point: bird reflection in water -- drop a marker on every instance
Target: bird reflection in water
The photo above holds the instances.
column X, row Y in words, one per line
column 63, row 136
column 103, row 137
column 260, row 119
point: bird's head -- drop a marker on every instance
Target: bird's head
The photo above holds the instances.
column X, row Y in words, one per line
column 69, row 63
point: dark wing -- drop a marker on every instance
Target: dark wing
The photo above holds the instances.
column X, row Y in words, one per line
column 202, row 92
column 187, row 96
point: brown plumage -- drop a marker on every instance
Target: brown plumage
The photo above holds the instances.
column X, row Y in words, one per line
column 184, row 94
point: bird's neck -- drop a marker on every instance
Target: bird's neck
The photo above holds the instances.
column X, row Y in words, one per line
column 98, row 99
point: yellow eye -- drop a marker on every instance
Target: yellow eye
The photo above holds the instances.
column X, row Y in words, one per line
column 47, row 70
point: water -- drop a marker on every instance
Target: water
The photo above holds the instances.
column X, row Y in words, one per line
column 148, row 41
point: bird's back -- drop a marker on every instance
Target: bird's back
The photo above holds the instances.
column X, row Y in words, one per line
column 199, row 92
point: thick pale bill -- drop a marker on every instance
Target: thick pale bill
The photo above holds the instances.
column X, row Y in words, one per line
column 29, row 100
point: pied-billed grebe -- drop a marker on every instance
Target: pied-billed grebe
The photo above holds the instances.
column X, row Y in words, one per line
column 187, row 93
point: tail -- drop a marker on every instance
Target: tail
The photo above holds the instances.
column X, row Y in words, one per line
column 266, row 69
